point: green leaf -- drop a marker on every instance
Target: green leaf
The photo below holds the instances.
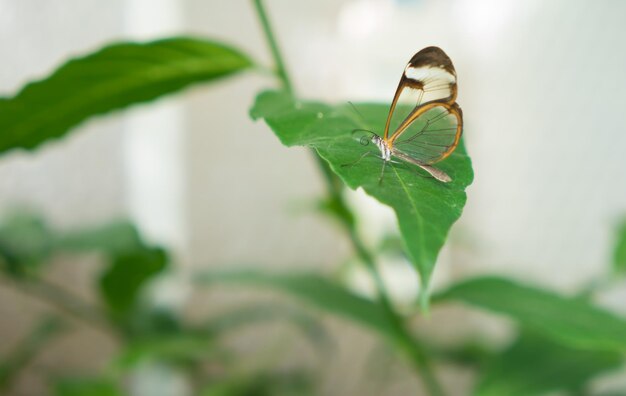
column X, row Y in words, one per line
column 313, row 289
column 535, row 366
column 86, row 387
column 619, row 254
column 425, row 208
column 112, row 78
column 570, row 321
column 121, row 283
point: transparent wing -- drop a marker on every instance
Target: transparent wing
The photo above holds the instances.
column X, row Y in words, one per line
column 430, row 134
column 428, row 77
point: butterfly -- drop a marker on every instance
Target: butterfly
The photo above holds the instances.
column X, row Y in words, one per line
column 425, row 123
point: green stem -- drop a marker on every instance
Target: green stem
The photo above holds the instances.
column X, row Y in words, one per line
column 281, row 72
column 403, row 340
column 269, row 36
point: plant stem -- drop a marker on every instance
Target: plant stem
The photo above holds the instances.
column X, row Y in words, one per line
column 402, row 338
column 281, row 72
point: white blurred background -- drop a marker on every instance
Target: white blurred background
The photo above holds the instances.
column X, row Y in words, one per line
column 541, row 84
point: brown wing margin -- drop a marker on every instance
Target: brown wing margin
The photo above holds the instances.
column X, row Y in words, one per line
column 428, row 77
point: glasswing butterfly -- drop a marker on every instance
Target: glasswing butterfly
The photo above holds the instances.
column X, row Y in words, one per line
column 425, row 120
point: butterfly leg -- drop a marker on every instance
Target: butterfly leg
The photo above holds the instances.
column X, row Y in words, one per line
column 351, row 164
column 382, row 173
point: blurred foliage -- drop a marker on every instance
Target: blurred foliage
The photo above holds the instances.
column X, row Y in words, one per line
column 114, row 238
column 147, row 333
column 533, row 365
column 25, row 242
column 27, row 349
column 86, row 387
column 123, row 279
column 571, row 321
column 311, row 288
column 469, row 353
column 287, row 384
column 180, row 348
column 619, row 252
column 239, row 317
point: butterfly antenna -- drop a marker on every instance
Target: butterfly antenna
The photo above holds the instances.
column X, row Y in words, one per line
column 357, row 112
column 362, row 130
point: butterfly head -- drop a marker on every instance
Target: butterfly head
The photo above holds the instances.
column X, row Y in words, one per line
column 385, row 150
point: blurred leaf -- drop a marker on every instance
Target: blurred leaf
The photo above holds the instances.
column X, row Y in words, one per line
column 121, row 282
column 314, row 289
column 535, row 366
column 25, row 242
column 152, row 320
column 252, row 314
column 619, row 254
column 426, row 208
column 391, row 244
column 469, row 353
column 27, row 349
column 334, row 206
column 113, row 238
column 289, row 383
column 572, row 321
column 109, row 79
column 178, row 348
column 87, row 387
column 380, row 366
